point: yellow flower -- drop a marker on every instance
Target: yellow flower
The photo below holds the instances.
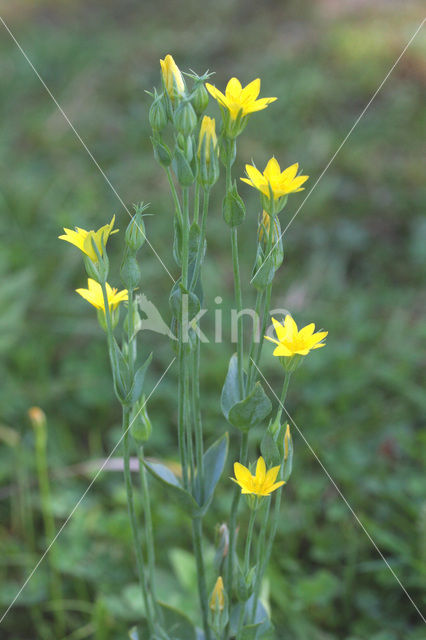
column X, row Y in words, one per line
column 236, row 99
column 208, row 134
column 272, row 179
column 93, row 294
column 172, row 77
column 83, row 239
column 262, row 483
column 291, row 341
column 217, row 601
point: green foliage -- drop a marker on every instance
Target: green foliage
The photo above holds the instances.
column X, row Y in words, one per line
column 355, row 263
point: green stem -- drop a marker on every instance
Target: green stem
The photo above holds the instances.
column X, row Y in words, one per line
column 175, row 196
column 251, row 368
column 260, row 552
column 197, row 534
column 276, row 515
column 149, row 535
column 200, row 247
column 249, row 538
column 197, row 202
column 247, row 554
column 133, row 521
column 229, row 568
column 184, row 429
column 49, row 523
column 254, row 362
column 239, row 305
column 283, row 395
column 131, row 343
column 196, row 412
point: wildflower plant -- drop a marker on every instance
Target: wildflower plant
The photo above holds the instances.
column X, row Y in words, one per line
column 191, row 148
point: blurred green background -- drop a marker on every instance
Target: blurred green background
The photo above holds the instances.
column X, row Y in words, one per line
column 355, row 264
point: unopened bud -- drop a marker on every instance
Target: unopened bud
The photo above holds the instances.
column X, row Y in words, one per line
column 161, row 152
column 135, row 233
column 130, row 271
column 217, row 600
column 141, row 427
column 158, row 114
column 185, row 118
column 172, row 78
column 37, row 417
column 200, row 99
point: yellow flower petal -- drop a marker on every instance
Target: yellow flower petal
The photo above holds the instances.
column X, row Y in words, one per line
column 251, row 91
column 255, row 176
column 275, row 486
column 271, row 476
column 242, row 474
column 291, row 172
column 307, row 331
column 272, row 170
column 233, row 89
column 260, row 471
column 279, row 330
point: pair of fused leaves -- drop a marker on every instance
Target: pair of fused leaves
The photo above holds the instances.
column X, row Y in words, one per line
column 213, row 463
column 127, row 389
column 243, row 413
column 260, row 629
column 194, row 241
column 277, row 450
column 267, row 263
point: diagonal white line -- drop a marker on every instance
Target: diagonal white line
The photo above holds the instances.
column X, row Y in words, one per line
column 80, row 139
column 342, row 496
column 361, row 115
column 52, row 542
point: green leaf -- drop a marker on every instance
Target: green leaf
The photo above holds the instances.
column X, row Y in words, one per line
column 269, row 450
column 214, row 461
column 194, row 241
column 230, row 391
column 264, row 270
column 172, row 484
column 251, row 411
column 123, row 373
column 137, row 386
column 175, row 300
column 177, row 241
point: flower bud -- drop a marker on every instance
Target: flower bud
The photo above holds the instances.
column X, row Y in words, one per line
column 135, row 233
column 172, row 78
column 200, row 99
column 141, row 427
column 207, row 153
column 217, row 600
column 185, row 118
column 288, row 454
column 130, row 271
column 234, row 210
column 161, row 152
column 158, row 114
column 37, row 417
column 218, row 615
